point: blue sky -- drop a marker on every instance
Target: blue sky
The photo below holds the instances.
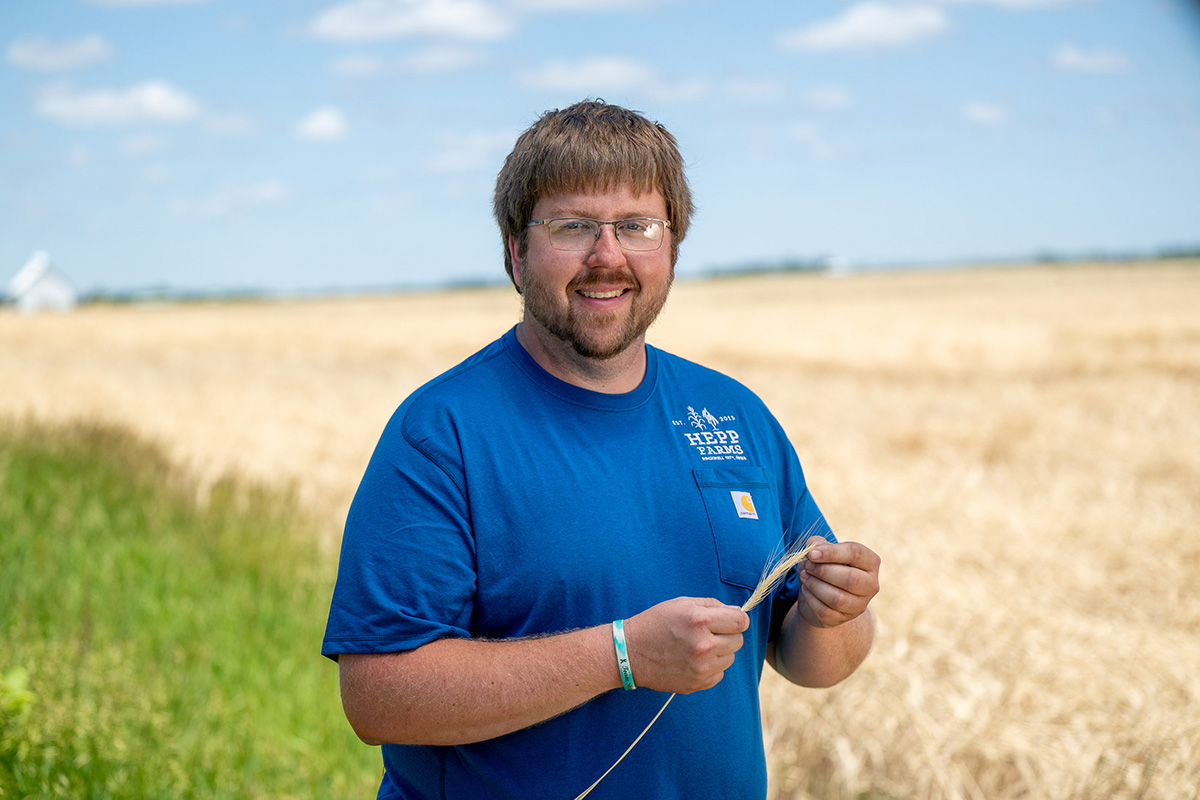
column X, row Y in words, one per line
column 299, row 145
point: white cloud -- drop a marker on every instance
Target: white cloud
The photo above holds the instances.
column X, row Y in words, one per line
column 986, row 115
column 869, row 26
column 599, row 74
column 325, row 124
column 40, row 53
column 440, row 59
column 471, row 152
column 1069, row 58
column 431, row 61
column 370, row 20
column 608, row 74
column 827, row 98
column 152, row 101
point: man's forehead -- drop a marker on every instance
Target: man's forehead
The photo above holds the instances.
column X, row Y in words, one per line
column 627, row 199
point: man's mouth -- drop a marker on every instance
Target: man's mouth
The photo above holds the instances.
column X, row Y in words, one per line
column 595, row 295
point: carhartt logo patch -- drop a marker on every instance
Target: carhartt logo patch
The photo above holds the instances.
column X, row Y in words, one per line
column 744, row 504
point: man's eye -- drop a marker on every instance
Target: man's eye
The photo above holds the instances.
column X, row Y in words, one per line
column 642, row 227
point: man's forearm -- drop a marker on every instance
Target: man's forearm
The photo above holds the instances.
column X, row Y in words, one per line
column 820, row 657
column 455, row 691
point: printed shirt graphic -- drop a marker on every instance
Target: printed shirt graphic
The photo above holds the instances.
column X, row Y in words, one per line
column 710, row 436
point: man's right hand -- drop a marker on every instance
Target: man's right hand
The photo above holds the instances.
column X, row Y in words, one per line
column 684, row 645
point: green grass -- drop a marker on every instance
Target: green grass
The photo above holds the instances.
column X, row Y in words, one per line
column 156, row 645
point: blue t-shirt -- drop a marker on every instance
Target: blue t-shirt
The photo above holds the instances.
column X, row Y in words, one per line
column 503, row 502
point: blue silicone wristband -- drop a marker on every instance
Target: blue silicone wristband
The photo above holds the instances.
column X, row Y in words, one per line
column 618, row 628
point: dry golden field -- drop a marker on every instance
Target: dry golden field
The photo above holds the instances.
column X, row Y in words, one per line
column 1021, row 445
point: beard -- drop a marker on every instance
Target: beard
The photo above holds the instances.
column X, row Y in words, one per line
column 598, row 335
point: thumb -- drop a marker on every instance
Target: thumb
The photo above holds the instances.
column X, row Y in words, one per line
column 724, row 618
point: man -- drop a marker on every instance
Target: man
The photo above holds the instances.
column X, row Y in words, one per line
column 569, row 478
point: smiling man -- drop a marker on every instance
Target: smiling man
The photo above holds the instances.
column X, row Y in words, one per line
column 582, row 324
column 559, row 532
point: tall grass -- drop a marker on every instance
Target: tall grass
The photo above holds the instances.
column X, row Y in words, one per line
column 157, row 644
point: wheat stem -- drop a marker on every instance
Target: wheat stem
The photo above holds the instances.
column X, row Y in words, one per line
column 588, row 791
column 777, row 569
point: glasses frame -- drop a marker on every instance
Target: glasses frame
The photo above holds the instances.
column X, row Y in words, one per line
column 599, row 224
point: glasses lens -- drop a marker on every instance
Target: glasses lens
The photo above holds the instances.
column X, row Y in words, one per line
column 640, row 234
column 572, row 234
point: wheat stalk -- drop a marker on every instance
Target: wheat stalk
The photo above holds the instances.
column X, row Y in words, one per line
column 777, row 568
column 775, row 571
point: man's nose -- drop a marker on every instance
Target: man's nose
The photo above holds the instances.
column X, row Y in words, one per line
column 607, row 249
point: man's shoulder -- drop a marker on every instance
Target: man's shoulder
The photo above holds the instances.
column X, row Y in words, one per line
column 677, row 369
column 469, row 385
column 478, row 368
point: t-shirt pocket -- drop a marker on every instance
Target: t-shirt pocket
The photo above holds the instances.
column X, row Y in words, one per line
column 743, row 514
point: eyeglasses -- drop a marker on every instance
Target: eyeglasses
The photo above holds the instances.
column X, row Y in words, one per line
column 579, row 233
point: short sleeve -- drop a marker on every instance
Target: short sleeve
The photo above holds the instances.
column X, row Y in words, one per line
column 406, row 574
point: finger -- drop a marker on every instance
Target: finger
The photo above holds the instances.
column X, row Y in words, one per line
column 849, row 579
column 727, row 647
column 725, row 619
column 707, row 669
column 832, row 597
column 813, row 611
column 816, row 613
column 819, row 545
column 851, row 553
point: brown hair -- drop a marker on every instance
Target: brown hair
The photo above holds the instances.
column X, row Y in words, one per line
column 590, row 146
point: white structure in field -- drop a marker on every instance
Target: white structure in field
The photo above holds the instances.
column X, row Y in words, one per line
column 39, row 286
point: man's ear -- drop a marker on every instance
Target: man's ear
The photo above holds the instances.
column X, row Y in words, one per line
column 514, row 255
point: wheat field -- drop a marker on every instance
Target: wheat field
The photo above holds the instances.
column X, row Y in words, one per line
column 1020, row 444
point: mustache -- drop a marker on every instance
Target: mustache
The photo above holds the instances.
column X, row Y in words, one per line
column 614, row 279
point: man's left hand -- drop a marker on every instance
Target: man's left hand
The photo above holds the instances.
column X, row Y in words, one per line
column 837, row 583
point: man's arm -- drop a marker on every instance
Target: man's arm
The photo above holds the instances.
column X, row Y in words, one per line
column 455, row 691
column 829, row 630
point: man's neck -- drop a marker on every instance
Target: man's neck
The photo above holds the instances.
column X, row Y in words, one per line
column 617, row 375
